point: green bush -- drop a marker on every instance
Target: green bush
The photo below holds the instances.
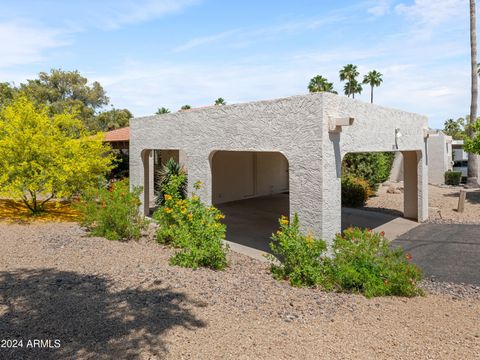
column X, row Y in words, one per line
column 375, row 168
column 300, row 256
column 355, row 191
column 112, row 213
column 192, row 227
column 364, row 262
column 453, row 178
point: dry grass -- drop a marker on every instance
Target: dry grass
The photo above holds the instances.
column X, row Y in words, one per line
column 16, row 212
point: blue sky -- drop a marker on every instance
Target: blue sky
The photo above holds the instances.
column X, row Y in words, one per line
column 153, row 53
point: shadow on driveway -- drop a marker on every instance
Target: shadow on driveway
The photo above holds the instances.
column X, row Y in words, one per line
column 447, row 252
column 90, row 319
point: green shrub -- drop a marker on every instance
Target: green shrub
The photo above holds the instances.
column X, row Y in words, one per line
column 112, row 213
column 355, row 191
column 361, row 261
column 453, row 178
column 192, row 227
column 364, row 262
column 300, row 257
column 375, row 168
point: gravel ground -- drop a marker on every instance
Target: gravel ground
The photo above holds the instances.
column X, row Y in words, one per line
column 107, row 300
column 442, row 201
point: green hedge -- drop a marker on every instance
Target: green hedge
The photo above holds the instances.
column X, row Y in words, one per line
column 453, row 178
column 373, row 167
column 355, row 191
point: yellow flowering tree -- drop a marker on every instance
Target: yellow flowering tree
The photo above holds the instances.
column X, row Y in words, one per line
column 44, row 157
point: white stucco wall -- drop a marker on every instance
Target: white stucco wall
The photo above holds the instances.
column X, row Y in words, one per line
column 439, row 156
column 238, row 175
column 298, row 128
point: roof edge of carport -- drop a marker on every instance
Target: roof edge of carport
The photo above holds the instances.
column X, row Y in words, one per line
column 320, row 95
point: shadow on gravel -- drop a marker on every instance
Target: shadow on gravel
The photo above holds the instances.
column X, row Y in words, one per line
column 89, row 319
column 472, row 197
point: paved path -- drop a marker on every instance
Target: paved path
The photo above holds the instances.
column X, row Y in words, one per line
column 446, row 252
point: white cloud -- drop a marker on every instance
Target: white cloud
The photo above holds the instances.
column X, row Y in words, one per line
column 121, row 13
column 244, row 37
column 23, row 42
column 428, row 13
column 380, row 8
column 200, row 41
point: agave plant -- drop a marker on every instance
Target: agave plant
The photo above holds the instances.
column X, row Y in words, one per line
column 162, row 177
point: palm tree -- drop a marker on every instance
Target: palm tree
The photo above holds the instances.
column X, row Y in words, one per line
column 162, row 110
column 349, row 73
column 162, row 178
column 352, row 87
column 185, row 107
column 373, row 78
column 220, row 101
column 320, row 84
column 472, row 172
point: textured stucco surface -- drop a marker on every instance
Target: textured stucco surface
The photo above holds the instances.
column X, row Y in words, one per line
column 298, row 128
column 439, row 157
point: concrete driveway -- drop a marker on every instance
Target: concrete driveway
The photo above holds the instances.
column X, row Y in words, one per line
column 446, row 252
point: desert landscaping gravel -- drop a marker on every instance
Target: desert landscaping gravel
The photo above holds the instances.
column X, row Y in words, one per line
column 442, row 203
column 122, row 300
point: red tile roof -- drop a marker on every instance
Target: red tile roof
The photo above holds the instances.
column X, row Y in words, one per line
column 122, row 134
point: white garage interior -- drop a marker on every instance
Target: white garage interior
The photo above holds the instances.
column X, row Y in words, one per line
column 251, row 189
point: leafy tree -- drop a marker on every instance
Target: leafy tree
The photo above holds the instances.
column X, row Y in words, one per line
column 472, row 171
column 162, row 110
column 67, row 91
column 456, row 128
column 374, row 79
column 44, row 156
column 472, row 145
column 349, row 74
column 111, row 120
column 320, row 84
column 185, row 107
column 7, row 92
column 220, row 101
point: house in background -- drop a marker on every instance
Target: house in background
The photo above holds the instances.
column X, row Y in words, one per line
column 460, row 159
column 119, row 139
column 439, row 158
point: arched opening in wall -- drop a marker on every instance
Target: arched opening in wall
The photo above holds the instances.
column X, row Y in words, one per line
column 251, row 189
column 155, row 164
column 377, row 178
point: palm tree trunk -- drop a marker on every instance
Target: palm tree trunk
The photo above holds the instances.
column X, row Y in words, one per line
column 371, row 94
column 472, row 174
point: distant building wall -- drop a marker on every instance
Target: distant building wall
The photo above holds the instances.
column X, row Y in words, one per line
column 439, row 159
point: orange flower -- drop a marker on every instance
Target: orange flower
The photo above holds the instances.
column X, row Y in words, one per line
column 408, row 257
column 382, row 233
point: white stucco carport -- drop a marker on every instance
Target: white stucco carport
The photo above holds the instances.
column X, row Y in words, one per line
column 311, row 132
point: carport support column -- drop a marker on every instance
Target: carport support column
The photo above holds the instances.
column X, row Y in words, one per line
column 147, row 181
column 306, row 192
column 415, row 185
column 140, row 176
column 198, row 169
